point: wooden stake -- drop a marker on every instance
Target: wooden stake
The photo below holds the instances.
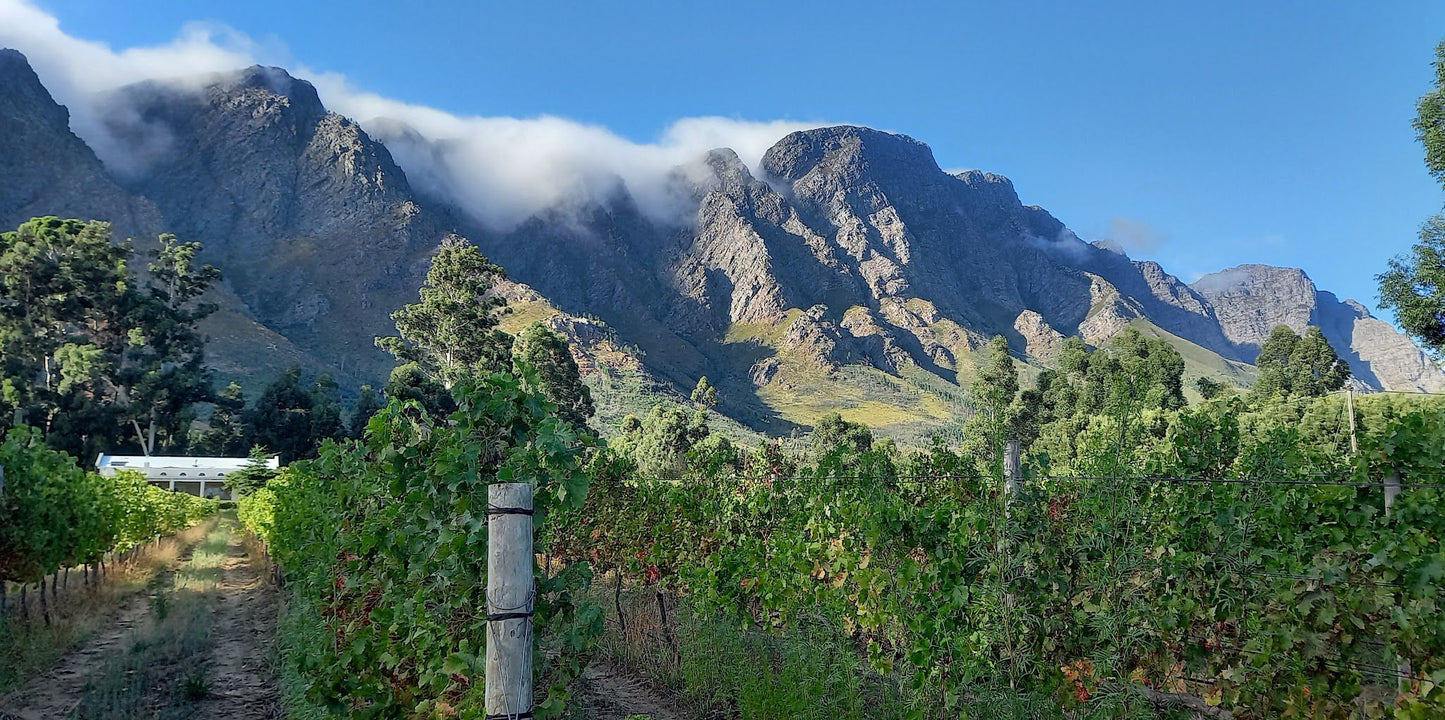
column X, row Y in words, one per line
column 1350, row 408
column 1392, row 490
column 509, row 601
column 1012, row 473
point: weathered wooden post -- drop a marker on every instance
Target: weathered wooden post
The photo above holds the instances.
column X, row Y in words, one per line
column 1012, row 467
column 1350, row 408
column 1392, row 490
column 509, row 601
column 1402, row 667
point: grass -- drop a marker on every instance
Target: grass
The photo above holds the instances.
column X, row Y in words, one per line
column 30, row 647
column 163, row 672
column 300, row 634
column 715, row 667
column 907, row 408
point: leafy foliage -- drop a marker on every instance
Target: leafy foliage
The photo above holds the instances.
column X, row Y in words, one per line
column 1080, row 593
column 253, row 476
column 704, row 394
column 453, row 329
column 1430, row 119
column 292, row 421
column 90, row 353
column 368, row 403
column 1414, row 286
column 545, row 353
column 662, row 443
column 384, row 537
column 1291, row 365
column 53, row 514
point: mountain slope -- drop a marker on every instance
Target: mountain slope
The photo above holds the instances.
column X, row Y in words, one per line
column 846, row 271
column 1251, row 300
column 47, row 170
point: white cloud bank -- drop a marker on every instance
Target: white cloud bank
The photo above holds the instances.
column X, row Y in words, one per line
column 501, row 170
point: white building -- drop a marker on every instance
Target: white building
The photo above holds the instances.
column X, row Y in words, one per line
column 202, row 476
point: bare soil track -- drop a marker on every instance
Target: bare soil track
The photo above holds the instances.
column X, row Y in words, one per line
column 236, row 605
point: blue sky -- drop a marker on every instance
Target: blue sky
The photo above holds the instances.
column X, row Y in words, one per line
column 1210, row 134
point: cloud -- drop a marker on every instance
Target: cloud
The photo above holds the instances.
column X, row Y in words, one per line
column 1132, row 236
column 1066, row 243
column 501, row 170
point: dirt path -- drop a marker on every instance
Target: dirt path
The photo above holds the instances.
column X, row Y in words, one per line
column 242, row 683
column 610, row 692
column 55, row 693
column 195, row 646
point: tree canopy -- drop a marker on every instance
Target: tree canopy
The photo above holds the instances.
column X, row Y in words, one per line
column 1414, row 287
column 453, row 329
column 92, row 353
column 704, row 394
column 291, row 420
column 545, row 364
column 660, row 444
column 1291, row 365
column 1414, row 284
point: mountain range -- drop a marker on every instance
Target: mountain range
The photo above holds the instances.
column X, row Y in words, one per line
column 844, row 271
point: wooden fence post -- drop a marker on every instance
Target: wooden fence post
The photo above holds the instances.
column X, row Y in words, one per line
column 1392, row 490
column 1350, row 408
column 1402, row 666
column 509, row 601
column 1012, row 467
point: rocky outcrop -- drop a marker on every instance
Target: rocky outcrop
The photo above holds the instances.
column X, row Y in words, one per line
column 311, row 220
column 1252, row 300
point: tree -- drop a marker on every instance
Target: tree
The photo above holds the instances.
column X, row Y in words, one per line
column 453, row 329
column 660, row 444
column 1153, row 371
column 833, row 434
column 1209, row 388
column 1291, row 365
column 545, row 364
column 1430, row 119
column 368, row 402
column 287, row 420
column 253, row 476
column 410, row 382
column 87, row 348
column 997, row 383
column 704, row 394
column 224, row 435
column 326, row 410
column 996, row 419
column 1414, row 286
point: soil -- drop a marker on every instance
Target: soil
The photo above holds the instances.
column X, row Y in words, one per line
column 609, row 692
column 241, row 682
column 55, row 694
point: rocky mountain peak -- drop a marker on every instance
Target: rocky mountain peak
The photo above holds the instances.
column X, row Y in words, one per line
column 847, row 150
column 47, row 169
column 277, row 81
column 1251, row 300
column 990, row 188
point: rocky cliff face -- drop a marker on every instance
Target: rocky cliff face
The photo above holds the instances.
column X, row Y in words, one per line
column 45, row 169
column 1252, row 300
column 848, row 248
column 311, row 220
